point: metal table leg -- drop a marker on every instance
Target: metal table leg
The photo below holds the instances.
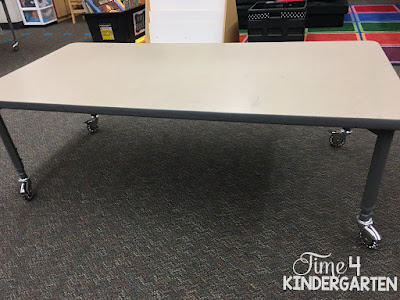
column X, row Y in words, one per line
column 369, row 235
column 26, row 189
column 15, row 45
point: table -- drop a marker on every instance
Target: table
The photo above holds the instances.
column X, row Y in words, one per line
column 275, row 83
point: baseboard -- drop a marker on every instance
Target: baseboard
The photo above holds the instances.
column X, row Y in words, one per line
column 17, row 25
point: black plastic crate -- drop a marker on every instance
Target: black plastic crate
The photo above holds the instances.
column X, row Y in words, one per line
column 274, row 21
column 243, row 15
column 121, row 27
column 326, row 14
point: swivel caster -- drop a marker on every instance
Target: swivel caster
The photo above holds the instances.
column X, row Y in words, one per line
column 92, row 125
column 338, row 137
column 15, row 46
column 26, row 189
column 369, row 236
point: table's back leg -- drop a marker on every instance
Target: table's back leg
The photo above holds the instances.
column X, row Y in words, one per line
column 15, row 45
column 369, row 235
column 26, row 190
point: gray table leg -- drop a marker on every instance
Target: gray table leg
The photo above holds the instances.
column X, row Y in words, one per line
column 369, row 235
column 25, row 190
column 15, row 46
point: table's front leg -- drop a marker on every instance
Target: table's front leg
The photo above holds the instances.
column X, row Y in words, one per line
column 369, row 235
column 26, row 189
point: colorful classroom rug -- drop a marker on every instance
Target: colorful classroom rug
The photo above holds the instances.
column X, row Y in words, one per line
column 380, row 23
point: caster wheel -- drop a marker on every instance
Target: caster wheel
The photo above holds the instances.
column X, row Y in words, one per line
column 15, row 46
column 337, row 140
column 92, row 128
column 92, row 125
column 28, row 196
column 368, row 242
column 26, row 189
column 369, row 236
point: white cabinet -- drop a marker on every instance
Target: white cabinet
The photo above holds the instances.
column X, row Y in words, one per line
column 37, row 12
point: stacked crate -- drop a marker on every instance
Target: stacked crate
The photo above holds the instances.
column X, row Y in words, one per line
column 275, row 21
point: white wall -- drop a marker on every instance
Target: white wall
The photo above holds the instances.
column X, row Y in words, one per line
column 13, row 10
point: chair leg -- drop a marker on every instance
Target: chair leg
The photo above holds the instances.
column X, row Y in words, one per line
column 73, row 17
column 72, row 12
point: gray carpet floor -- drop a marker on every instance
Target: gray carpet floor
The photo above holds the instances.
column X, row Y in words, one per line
column 174, row 209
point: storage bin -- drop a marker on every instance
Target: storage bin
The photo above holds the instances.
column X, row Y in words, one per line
column 326, row 13
column 122, row 27
column 275, row 21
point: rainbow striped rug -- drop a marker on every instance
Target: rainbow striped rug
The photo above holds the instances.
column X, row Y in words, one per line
column 379, row 23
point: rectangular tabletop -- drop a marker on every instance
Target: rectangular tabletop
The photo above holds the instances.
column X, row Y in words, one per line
column 317, row 83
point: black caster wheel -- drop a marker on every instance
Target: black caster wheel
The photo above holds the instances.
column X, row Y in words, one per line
column 368, row 242
column 26, row 189
column 92, row 128
column 28, row 196
column 92, row 125
column 337, row 140
column 369, row 236
column 15, row 47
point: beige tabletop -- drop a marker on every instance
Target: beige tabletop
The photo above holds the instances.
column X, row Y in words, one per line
column 314, row 80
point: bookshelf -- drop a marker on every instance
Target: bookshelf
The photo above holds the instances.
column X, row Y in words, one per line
column 191, row 21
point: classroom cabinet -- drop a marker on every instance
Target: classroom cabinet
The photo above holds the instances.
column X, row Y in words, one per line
column 37, row 12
